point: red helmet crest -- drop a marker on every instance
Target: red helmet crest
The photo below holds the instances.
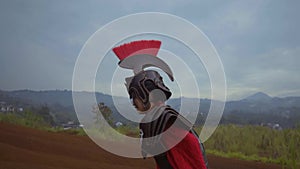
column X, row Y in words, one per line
column 142, row 47
column 141, row 54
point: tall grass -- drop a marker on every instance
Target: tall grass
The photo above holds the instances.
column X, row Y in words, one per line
column 36, row 121
column 257, row 143
column 27, row 118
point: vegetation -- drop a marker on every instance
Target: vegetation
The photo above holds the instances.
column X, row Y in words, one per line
column 129, row 131
column 37, row 121
column 257, row 143
column 27, row 118
column 248, row 142
column 102, row 112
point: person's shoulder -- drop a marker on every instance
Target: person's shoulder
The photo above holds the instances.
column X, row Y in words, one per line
column 169, row 115
column 174, row 115
column 170, row 110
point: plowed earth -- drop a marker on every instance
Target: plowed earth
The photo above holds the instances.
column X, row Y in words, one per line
column 26, row 148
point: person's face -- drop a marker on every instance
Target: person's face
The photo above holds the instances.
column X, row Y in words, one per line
column 138, row 104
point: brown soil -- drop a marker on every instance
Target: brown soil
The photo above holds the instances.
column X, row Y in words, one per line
column 26, row 148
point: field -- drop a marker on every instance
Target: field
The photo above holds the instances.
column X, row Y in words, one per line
column 28, row 148
column 36, row 143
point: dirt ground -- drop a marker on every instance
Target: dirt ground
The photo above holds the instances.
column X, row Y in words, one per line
column 26, row 148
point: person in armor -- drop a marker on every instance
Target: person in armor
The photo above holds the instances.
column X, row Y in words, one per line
column 165, row 134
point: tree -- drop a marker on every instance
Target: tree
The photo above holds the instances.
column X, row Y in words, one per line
column 105, row 114
column 44, row 111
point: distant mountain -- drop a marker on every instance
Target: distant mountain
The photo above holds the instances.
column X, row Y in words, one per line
column 259, row 96
column 261, row 103
column 254, row 109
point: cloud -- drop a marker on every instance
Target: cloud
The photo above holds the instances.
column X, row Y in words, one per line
column 258, row 41
column 275, row 72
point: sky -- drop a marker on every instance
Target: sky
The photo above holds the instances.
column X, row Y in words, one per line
column 257, row 41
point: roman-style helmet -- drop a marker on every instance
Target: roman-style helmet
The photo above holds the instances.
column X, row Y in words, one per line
column 137, row 56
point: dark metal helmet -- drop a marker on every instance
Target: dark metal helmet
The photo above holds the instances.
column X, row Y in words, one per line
column 145, row 82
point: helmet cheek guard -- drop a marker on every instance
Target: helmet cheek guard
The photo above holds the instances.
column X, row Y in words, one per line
column 144, row 83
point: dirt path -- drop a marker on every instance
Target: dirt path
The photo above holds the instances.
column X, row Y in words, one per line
column 26, row 148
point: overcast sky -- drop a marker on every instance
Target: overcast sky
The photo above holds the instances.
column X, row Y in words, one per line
column 258, row 41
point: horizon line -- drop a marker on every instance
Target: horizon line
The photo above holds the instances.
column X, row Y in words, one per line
column 70, row 90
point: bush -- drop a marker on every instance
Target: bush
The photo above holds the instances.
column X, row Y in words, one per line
column 27, row 118
column 261, row 143
column 129, row 131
